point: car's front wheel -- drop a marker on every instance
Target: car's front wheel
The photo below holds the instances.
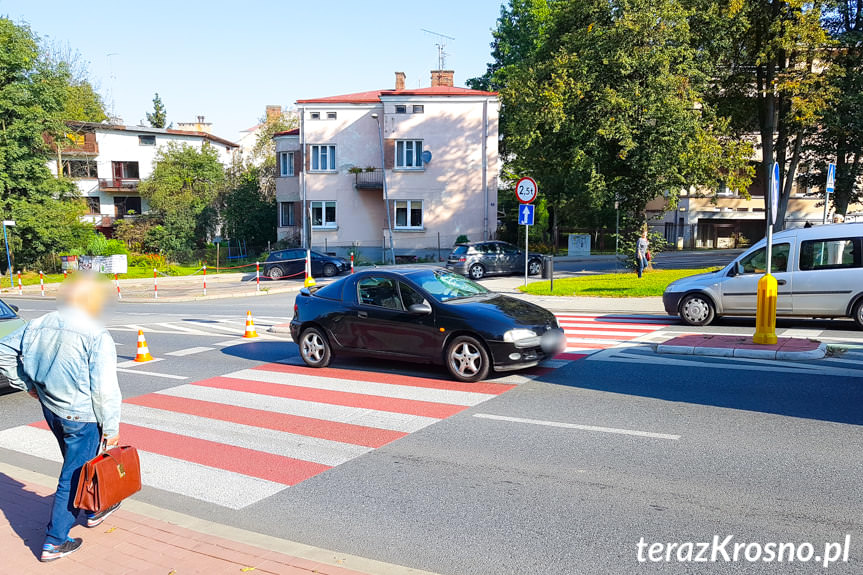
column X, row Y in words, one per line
column 534, row 267
column 697, row 309
column 276, row 273
column 315, row 348
column 467, row 360
column 477, row 272
column 330, row 270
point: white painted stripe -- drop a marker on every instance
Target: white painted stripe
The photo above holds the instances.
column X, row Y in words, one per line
column 583, row 349
column 801, row 332
column 322, row 451
column 189, row 351
column 608, row 342
column 344, row 414
column 178, row 327
column 613, row 430
column 133, row 363
column 589, row 332
column 234, row 327
column 153, row 373
column 209, row 484
column 603, row 320
column 466, row 398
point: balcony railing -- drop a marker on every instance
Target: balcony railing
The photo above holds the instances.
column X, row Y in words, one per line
column 373, row 180
column 122, row 184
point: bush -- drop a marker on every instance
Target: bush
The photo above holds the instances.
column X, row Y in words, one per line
column 462, row 239
column 101, row 246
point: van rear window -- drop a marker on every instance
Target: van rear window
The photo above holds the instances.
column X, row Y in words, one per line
column 830, row 254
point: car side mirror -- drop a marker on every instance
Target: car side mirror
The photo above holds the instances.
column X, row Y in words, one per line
column 420, row 308
column 737, row 269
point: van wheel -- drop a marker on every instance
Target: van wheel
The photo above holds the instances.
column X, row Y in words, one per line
column 697, row 309
column 858, row 313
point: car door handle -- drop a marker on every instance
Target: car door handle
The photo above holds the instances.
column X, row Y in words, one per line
column 362, row 314
column 781, row 282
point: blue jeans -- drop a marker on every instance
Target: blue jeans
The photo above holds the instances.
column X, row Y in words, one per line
column 642, row 263
column 79, row 443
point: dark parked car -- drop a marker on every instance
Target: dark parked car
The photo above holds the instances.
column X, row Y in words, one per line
column 428, row 315
column 480, row 259
column 292, row 263
column 9, row 322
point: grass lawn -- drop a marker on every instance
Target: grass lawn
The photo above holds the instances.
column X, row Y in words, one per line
column 32, row 278
column 653, row 283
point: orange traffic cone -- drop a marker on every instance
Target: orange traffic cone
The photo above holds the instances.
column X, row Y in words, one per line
column 143, row 353
column 250, row 326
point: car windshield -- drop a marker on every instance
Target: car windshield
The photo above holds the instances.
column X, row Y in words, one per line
column 447, row 286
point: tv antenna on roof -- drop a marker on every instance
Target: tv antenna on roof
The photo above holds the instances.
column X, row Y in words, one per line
column 441, row 47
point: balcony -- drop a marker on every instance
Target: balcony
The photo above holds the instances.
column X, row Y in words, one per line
column 371, row 180
column 118, row 184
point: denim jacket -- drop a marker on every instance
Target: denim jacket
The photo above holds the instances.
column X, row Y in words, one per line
column 71, row 361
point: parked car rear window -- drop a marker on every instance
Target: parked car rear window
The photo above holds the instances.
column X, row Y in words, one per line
column 459, row 250
column 830, row 254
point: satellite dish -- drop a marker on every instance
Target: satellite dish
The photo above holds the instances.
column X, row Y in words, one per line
column 427, row 157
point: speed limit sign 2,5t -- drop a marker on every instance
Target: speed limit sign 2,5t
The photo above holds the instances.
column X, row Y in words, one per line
column 526, row 190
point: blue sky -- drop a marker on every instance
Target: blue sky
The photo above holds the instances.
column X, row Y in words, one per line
column 228, row 60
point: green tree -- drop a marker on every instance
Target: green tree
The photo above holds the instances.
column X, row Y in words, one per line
column 34, row 96
column 612, row 106
column 771, row 73
column 264, row 151
column 158, row 117
column 249, row 213
column 182, row 191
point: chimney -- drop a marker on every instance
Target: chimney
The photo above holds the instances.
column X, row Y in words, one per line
column 400, row 80
column 273, row 113
column 441, row 78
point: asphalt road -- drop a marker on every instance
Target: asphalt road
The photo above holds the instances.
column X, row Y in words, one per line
column 562, row 473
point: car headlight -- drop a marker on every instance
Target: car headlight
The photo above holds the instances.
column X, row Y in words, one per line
column 521, row 337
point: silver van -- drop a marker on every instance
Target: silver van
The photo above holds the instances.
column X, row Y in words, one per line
column 819, row 271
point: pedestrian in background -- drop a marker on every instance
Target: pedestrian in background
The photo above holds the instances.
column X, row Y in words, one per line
column 641, row 250
column 67, row 360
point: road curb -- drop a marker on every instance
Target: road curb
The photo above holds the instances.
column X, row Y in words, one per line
column 786, row 349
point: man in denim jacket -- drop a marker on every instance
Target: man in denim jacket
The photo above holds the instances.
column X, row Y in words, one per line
column 67, row 360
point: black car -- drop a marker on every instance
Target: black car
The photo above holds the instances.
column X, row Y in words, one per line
column 292, row 264
column 429, row 315
column 480, row 259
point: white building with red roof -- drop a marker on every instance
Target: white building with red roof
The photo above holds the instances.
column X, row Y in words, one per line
column 411, row 168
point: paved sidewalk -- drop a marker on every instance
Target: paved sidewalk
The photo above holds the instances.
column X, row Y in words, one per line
column 129, row 543
column 786, row 348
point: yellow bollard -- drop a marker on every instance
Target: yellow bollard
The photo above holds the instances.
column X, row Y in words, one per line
column 310, row 281
column 765, row 315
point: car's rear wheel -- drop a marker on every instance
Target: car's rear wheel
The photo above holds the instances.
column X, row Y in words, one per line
column 476, row 271
column 858, row 313
column 534, row 267
column 467, row 360
column 330, row 270
column 697, row 309
column 276, row 273
column 315, row 348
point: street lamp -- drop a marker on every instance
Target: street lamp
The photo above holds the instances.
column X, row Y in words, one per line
column 616, row 232
column 386, row 196
column 11, row 224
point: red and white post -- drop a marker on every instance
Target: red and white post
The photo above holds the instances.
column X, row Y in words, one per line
column 352, row 263
column 42, row 283
column 257, row 276
column 117, row 283
column 20, row 285
column 205, row 279
column 155, row 284
column 64, row 275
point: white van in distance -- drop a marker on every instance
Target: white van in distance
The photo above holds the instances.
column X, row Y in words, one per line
column 819, row 271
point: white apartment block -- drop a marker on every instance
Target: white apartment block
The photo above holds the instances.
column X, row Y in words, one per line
column 421, row 162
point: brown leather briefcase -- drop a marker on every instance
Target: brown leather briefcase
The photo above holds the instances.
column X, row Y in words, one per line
column 108, row 479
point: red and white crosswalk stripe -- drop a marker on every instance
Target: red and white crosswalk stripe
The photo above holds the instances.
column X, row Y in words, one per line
column 236, row 439
column 589, row 333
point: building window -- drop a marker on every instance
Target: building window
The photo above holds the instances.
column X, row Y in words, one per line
column 127, row 206
column 409, row 214
column 409, row 154
column 286, row 214
column 286, row 164
column 323, row 214
column 331, row 115
column 79, row 169
column 323, row 158
column 124, row 170
column 93, row 205
column 146, row 140
column 419, row 109
column 315, row 115
column 401, row 109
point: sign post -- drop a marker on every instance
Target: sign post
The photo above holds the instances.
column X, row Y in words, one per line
column 768, row 289
column 11, row 224
column 828, row 189
column 526, row 191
